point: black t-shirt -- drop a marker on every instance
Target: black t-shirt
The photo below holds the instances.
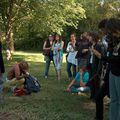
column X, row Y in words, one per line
column 114, row 61
column 80, row 45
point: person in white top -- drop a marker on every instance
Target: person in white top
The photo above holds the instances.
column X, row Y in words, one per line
column 71, row 60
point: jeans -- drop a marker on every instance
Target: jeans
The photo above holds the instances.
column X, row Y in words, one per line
column 47, row 65
column 114, row 85
column 69, row 65
column 77, row 88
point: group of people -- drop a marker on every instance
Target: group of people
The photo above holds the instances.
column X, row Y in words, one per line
column 92, row 64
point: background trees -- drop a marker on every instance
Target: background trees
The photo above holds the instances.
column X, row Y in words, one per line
column 26, row 23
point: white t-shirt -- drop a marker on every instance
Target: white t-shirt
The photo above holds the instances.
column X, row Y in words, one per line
column 72, row 53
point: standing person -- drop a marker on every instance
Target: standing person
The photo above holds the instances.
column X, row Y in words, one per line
column 48, row 53
column 96, row 64
column 104, row 89
column 71, row 60
column 113, row 27
column 82, row 46
column 58, row 54
column 2, row 69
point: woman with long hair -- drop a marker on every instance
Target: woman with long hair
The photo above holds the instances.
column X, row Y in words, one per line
column 58, row 54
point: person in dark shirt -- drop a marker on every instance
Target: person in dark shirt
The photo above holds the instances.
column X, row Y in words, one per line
column 2, row 69
column 113, row 27
column 48, row 53
column 104, row 89
column 82, row 46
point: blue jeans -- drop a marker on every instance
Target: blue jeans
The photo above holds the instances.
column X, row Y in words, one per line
column 47, row 65
column 114, row 84
column 77, row 88
column 69, row 65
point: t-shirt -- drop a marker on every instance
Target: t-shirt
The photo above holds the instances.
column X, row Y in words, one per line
column 72, row 54
column 85, row 77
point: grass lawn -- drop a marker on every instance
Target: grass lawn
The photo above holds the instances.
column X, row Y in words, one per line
column 52, row 103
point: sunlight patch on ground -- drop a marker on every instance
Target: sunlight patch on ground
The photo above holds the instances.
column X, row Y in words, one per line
column 36, row 57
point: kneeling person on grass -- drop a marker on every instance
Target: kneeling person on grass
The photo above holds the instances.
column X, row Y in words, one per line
column 79, row 84
column 16, row 75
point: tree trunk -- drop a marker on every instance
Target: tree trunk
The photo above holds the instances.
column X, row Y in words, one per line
column 9, row 38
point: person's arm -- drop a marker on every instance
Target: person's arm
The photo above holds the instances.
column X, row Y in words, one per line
column 44, row 46
column 68, row 47
column 70, row 85
column 85, row 50
column 109, row 59
column 62, row 45
column 18, row 75
column 82, row 84
column 86, row 79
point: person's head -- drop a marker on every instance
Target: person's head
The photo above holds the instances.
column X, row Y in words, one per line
column 51, row 37
column 102, row 27
column 58, row 38
column 113, row 27
column 83, row 35
column 72, row 37
column 83, row 69
column 23, row 66
column 94, row 37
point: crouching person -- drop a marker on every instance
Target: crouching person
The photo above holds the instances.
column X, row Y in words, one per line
column 16, row 76
column 79, row 84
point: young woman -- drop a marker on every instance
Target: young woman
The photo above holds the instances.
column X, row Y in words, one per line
column 71, row 60
column 79, row 84
column 48, row 53
column 58, row 54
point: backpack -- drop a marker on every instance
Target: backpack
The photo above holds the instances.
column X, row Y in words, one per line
column 31, row 84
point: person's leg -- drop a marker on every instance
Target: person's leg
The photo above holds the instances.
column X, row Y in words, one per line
column 78, row 60
column 99, row 101
column 117, row 84
column 74, row 70
column 1, row 87
column 113, row 96
column 47, row 65
column 69, row 70
column 59, row 65
column 83, row 89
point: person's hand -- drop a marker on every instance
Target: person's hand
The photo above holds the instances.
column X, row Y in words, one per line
column 82, row 84
column 26, row 74
column 68, row 89
column 58, row 49
column 84, row 50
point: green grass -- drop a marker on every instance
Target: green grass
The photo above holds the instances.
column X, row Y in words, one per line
column 52, row 103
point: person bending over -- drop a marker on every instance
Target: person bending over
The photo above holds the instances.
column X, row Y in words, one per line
column 16, row 75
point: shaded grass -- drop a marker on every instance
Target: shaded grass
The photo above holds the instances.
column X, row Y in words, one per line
column 52, row 103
